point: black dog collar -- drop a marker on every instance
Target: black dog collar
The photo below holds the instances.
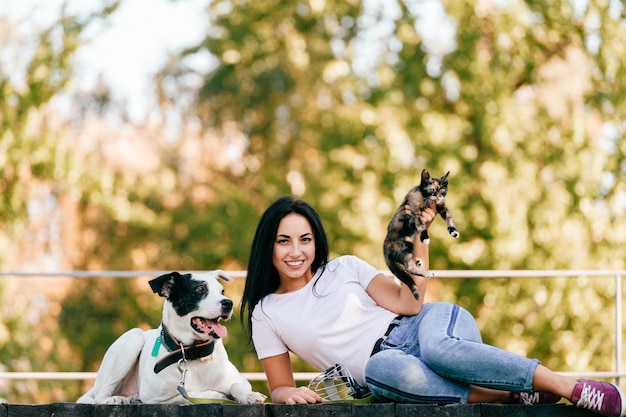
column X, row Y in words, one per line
column 194, row 351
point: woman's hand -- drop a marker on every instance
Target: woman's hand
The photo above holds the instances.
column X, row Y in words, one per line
column 427, row 215
column 281, row 382
column 292, row 395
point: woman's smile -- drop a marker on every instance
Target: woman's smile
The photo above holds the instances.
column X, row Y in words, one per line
column 295, row 264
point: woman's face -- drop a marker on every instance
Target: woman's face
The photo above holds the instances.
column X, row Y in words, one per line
column 294, row 248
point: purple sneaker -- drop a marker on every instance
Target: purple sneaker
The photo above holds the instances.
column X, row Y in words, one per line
column 600, row 397
column 535, row 397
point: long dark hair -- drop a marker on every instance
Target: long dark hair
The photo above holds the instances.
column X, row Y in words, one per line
column 262, row 276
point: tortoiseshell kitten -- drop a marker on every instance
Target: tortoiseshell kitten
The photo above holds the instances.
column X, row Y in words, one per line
column 407, row 221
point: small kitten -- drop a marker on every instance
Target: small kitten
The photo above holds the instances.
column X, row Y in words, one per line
column 398, row 246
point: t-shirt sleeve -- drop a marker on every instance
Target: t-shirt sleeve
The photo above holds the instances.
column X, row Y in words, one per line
column 365, row 272
column 267, row 342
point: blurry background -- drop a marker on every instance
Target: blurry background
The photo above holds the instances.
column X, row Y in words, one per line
column 151, row 135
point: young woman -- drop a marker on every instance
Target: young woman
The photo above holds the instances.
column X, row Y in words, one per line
column 344, row 312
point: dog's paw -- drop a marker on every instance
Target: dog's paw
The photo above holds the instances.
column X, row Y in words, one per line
column 242, row 392
column 115, row 400
column 253, row 398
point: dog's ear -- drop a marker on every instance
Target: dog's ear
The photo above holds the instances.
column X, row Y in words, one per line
column 223, row 275
column 163, row 284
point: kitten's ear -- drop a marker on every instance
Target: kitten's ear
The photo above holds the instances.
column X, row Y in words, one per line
column 445, row 177
column 425, row 176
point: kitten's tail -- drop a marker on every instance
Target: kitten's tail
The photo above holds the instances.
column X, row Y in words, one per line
column 404, row 275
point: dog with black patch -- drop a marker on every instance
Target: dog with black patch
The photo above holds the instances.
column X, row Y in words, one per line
column 182, row 361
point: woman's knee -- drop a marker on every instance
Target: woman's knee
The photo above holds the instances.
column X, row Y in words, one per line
column 384, row 372
column 447, row 320
column 377, row 367
column 457, row 327
column 394, row 368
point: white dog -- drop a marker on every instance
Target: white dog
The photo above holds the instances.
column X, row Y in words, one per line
column 182, row 361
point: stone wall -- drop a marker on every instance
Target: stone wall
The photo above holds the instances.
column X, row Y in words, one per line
column 335, row 409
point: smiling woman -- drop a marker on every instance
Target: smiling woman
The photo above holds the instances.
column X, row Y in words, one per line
column 345, row 312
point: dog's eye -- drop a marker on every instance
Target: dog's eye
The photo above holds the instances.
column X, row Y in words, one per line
column 201, row 289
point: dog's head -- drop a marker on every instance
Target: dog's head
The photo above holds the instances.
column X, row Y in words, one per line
column 194, row 304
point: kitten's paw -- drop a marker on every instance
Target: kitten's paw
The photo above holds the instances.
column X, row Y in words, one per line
column 453, row 232
column 426, row 241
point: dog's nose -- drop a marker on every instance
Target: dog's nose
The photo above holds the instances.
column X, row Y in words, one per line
column 227, row 304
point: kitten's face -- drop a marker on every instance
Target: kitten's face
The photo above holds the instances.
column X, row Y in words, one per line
column 434, row 189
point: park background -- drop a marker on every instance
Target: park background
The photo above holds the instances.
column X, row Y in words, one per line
column 342, row 103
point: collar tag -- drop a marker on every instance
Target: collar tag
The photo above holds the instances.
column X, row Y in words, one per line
column 157, row 345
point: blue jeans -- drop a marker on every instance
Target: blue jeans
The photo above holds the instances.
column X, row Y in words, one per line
column 434, row 357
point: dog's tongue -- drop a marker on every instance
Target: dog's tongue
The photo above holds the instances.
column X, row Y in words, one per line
column 218, row 329
column 210, row 326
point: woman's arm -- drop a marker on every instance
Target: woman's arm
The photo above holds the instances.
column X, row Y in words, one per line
column 398, row 298
column 282, row 385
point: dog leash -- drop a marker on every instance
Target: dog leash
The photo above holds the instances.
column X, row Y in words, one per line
column 182, row 368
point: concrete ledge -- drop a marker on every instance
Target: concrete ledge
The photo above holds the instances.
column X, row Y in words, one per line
column 336, row 409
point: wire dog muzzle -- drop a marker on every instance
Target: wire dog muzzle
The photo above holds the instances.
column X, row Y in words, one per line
column 336, row 384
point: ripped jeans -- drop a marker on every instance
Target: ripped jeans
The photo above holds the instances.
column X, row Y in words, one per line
column 434, row 357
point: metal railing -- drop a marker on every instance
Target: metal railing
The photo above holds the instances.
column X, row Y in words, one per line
column 617, row 275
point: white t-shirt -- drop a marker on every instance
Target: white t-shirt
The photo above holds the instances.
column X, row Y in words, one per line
column 329, row 321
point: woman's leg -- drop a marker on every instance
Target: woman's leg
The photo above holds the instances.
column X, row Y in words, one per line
column 450, row 347
column 398, row 373
column 449, row 343
column 547, row 381
column 438, row 356
column 488, row 395
column 393, row 375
